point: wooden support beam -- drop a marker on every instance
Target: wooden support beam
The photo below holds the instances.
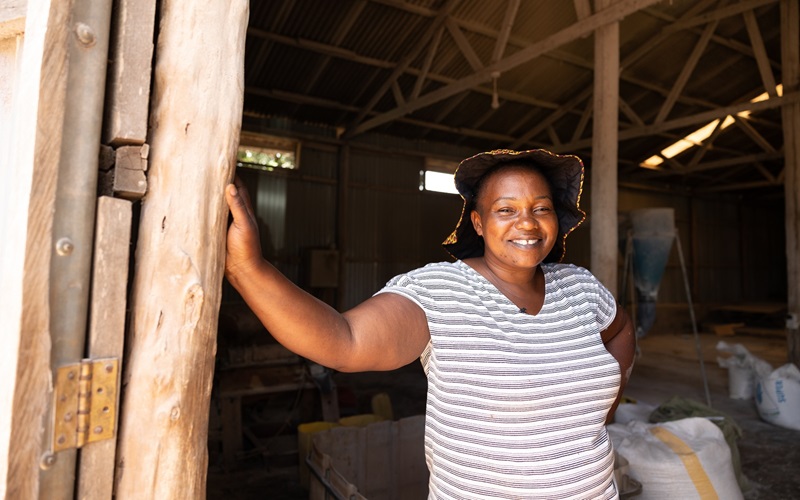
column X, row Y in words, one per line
column 398, row 94
column 630, row 113
column 686, row 121
column 180, row 251
column 719, row 14
column 585, row 116
column 341, row 32
column 551, row 133
column 612, row 14
column 748, row 129
column 401, row 67
column 583, row 9
column 790, row 58
column 686, row 72
column 605, row 127
column 426, row 66
column 541, row 126
column 766, row 173
column 463, row 45
column 703, row 149
column 757, row 42
column 505, row 30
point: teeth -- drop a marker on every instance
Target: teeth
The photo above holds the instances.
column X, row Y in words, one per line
column 525, row 242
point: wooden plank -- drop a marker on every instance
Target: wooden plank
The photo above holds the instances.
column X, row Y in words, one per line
column 605, row 129
column 180, row 250
column 505, row 30
column 583, row 9
column 426, row 65
column 129, row 71
column 790, row 59
column 38, row 119
column 106, row 328
column 463, row 45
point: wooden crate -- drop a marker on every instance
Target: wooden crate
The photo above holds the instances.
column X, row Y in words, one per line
column 382, row 461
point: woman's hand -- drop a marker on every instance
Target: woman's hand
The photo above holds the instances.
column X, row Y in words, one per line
column 243, row 245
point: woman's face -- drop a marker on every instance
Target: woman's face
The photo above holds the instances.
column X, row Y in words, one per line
column 516, row 216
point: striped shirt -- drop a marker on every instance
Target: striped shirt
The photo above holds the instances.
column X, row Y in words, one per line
column 516, row 402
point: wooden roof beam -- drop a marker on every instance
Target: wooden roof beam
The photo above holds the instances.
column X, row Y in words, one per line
column 541, row 126
column 732, row 44
column 341, row 32
column 583, row 9
column 707, row 144
column 505, row 30
column 757, row 42
column 719, row 14
column 463, row 45
column 611, row 14
column 753, row 134
column 426, row 65
column 406, row 61
column 687, row 121
column 686, row 72
column 325, row 49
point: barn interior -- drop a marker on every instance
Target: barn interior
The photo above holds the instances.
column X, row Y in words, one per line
column 353, row 108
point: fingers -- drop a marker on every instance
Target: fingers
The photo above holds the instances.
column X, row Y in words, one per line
column 237, row 204
column 245, row 194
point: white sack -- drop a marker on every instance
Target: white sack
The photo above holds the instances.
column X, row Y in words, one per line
column 778, row 397
column 743, row 369
column 697, row 464
column 629, row 412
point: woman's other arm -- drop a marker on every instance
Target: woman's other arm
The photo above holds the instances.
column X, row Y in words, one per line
column 620, row 341
column 383, row 333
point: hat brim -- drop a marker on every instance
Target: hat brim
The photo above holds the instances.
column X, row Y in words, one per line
column 564, row 173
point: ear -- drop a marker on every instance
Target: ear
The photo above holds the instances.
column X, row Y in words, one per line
column 475, row 217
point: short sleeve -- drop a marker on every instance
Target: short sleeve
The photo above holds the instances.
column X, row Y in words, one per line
column 596, row 295
column 410, row 288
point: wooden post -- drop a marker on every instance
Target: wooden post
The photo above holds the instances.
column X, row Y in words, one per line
column 604, row 152
column 37, row 117
column 195, row 122
column 790, row 62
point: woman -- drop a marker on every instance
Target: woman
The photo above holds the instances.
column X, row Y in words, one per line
column 526, row 358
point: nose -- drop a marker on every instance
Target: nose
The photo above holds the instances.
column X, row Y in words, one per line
column 526, row 220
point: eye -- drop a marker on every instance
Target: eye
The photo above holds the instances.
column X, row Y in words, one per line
column 542, row 210
column 505, row 210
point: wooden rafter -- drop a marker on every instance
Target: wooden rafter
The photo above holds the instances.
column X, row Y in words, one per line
column 263, row 51
column 341, row 32
column 730, row 43
column 630, row 113
column 406, row 61
column 463, row 45
column 721, row 13
column 541, row 126
column 686, row 72
column 426, row 65
column 757, row 42
column 581, row 127
column 707, row 144
column 686, row 121
column 588, row 25
column 583, row 9
column 505, row 30
column 753, row 134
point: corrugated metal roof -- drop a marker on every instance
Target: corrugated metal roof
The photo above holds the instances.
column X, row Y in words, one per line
column 333, row 62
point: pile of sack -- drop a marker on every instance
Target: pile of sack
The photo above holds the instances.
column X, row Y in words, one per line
column 776, row 392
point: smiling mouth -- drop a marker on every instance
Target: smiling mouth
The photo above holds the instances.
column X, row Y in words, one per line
column 526, row 242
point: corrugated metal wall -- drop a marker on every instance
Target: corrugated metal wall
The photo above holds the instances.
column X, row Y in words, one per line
column 734, row 249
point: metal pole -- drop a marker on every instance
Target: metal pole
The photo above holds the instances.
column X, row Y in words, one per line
column 694, row 322
column 73, row 220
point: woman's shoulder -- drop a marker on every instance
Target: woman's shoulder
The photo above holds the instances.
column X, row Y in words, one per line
column 434, row 269
column 565, row 271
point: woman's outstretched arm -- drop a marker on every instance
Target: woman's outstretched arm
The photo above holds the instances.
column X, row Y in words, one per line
column 382, row 333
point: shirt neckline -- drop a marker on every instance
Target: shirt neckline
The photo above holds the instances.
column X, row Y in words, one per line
column 506, row 301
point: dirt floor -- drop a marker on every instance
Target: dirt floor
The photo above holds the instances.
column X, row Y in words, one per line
column 667, row 366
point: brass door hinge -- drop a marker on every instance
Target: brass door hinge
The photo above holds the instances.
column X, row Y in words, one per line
column 85, row 403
